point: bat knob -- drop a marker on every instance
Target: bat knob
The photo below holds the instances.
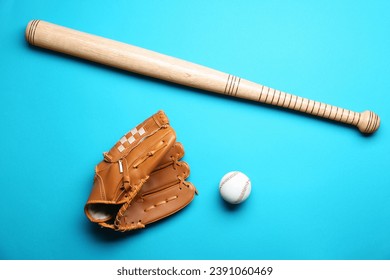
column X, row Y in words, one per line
column 369, row 122
column 30, row 31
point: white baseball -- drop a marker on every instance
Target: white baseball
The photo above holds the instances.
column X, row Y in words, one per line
column 235, row 187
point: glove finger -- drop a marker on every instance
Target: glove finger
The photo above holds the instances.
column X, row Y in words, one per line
column 165, row 177
column 157, row 205
column 165, row 193
column 173, row 155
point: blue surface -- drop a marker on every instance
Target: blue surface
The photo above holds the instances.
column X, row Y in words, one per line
column 320, row 190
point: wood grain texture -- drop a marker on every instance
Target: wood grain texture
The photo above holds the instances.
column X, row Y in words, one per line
column 145, row 62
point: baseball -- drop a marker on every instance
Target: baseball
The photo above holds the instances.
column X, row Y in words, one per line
column 235, row 187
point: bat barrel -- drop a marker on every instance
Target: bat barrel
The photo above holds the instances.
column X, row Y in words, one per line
column 123, row 56
column 145, row 62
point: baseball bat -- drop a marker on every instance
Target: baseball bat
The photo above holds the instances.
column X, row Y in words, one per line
column 145, row 62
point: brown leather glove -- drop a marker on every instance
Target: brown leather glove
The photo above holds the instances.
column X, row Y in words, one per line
column 125, row 169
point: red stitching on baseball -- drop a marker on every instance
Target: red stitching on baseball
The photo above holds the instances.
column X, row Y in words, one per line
column 228, row 178
column 243, row 191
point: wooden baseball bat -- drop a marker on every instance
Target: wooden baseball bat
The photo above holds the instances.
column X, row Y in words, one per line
column 145, row 62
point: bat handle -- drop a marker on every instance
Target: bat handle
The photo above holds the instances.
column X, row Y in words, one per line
column 367, row 121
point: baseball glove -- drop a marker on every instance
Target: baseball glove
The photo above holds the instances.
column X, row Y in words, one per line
column 141, row 179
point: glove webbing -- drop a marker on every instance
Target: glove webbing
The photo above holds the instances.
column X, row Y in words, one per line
column 135, row 136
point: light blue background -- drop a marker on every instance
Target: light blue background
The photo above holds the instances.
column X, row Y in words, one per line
column 321, row 190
